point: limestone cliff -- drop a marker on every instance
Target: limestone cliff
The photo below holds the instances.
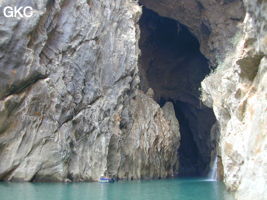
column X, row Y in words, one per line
column 232, row 34
column 71, row 108
column 67, row 105
column 238, row 94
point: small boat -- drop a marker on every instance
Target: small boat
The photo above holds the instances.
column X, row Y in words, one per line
column 104, row 179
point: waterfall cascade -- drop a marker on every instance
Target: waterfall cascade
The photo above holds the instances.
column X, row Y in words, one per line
column 213, row 170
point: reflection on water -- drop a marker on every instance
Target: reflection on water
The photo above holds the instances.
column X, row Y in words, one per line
column 173, row 189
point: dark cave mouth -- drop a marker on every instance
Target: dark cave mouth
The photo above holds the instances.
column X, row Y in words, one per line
column 173, row 66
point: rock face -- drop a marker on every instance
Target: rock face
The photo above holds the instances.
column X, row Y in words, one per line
column 68, row 75
column 146, row 140
column 70, row 105
column 238, row 94
column 233, row 35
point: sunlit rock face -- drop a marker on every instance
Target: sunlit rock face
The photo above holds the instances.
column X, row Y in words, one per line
column 237, row 92
column 67, row 76
column 145, row 142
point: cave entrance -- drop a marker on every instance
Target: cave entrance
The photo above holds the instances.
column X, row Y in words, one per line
column 173, row 66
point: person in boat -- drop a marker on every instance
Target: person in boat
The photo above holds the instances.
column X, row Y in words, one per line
column 106, row 179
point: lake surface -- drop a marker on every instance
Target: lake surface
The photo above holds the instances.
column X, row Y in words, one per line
column 170, row 189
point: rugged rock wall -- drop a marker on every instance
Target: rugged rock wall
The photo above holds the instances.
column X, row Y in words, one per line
column 68, row 102
column 238, row 94
column 70, row 107
column 145, row 141
column 232, row 34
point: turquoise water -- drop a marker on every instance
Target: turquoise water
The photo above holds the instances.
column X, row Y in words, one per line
column 173, row 189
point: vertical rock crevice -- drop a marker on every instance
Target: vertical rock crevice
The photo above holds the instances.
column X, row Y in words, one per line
column 172, row 65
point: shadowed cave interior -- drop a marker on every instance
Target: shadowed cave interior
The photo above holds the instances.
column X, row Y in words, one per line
column 173, row 66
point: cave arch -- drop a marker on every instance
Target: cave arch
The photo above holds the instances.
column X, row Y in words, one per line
column 173, row 66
